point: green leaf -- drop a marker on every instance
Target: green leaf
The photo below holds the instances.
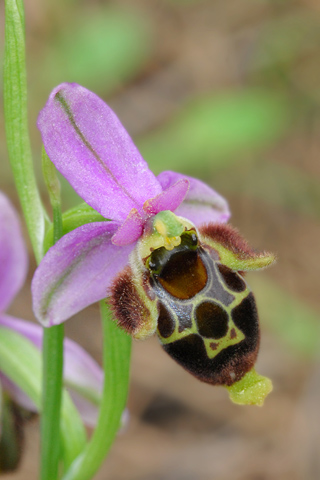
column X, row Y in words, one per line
column 289, row 318
column 16, row 123
column 20, row 361
column 74, row 218
column 216, row 130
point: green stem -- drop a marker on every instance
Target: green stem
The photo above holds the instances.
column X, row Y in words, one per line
column 52, row 355
column 116, row 363
column 16, row 124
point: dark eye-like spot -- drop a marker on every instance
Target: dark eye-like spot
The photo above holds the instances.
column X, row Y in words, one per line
column 233, row 333
column 232, row 279
column 166, row 322
column 245, row 316
column 212, row 320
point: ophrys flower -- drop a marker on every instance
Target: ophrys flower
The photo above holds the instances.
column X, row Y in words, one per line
column 163, row 273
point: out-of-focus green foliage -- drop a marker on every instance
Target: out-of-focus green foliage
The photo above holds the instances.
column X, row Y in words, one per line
column 216, row 130
column 101, row 50
column 278, row 184
column 283, row 39
column 292, row 320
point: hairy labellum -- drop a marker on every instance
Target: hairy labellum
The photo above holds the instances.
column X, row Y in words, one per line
column 185, row 285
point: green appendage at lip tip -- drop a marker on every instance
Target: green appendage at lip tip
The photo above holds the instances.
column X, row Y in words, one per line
column 252, row 389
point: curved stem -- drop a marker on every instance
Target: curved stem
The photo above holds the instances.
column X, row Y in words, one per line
column 16, row 124
column 116, row 362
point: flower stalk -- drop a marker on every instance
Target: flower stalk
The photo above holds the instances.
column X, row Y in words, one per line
column 52, row 353
column 116, row 364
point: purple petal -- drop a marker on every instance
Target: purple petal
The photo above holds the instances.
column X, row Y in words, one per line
column 13, row 254
column 169, row 199
column 17, row 394
column 84, row 379
column 130, row 230
column 81, row 372
column 29, row 330
column 202, row 204
column 88, row 410
column 90, row 147
column 76, row 272
column 82, row 375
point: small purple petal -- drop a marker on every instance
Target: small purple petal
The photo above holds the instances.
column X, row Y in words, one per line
column 90, row 147
column 76, row 272
column 13, row 254
column 169, row 199
column 202, row 204
column 81, row 372
column 130, row 231
column 17, row 394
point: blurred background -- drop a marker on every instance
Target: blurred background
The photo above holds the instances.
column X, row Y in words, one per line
column 227, row 92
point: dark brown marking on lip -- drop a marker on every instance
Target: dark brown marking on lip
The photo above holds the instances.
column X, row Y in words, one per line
column 166, row 323
column 231, row 279
column 233, row 333
column 212, row 320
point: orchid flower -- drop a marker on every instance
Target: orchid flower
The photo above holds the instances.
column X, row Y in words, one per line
column 166, row 257
column 82, row 375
